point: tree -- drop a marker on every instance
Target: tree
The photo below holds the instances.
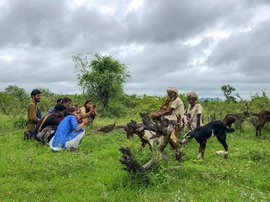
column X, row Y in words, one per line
column 9, row 105
column 46, row 92
column 227, row 91
column 101, row 77
column 17, row 92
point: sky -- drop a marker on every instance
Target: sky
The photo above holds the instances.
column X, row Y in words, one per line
column 196, row 45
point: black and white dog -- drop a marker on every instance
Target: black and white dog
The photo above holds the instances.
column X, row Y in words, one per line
column 202, row 133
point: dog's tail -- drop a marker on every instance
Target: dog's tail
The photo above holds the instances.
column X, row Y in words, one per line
column 229, row 130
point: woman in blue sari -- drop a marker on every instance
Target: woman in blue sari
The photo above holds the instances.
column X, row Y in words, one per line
column 69, row 133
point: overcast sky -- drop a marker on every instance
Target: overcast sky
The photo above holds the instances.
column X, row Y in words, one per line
column 196, row 45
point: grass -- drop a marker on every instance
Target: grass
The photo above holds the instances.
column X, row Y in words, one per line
column 30, row 171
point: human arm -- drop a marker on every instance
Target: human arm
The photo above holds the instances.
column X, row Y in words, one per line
column 167, row 112
column 199, row 115
column 84, row 122
column 75, row 125
column 92, row 112
column 32, row 113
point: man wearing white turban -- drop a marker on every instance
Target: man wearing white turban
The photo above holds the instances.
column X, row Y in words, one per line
column 194, row 112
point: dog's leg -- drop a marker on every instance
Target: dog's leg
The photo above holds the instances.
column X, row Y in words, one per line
column 260, row 126
column 150, row 143
column 222, row 140
column 143, row 143
column 260, row 129
column 257, row 129
column 201, row 150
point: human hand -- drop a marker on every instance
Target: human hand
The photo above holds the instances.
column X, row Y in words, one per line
column 85, row 121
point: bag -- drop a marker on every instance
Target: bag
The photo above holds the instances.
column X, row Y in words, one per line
column 29, row 135
column 44, row 135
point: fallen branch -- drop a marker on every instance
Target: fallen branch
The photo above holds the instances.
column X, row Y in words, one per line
column 109, row 128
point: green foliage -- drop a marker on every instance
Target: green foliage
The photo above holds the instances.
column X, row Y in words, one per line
column 8, row 104
column 102, row 77
column 227, row 91
column 259, row 102
column 46, row 92
column 17, row 92
column 19, row 123
column 30, row 171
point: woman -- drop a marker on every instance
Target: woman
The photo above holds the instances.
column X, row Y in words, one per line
column 68, row 134
column 194, row 112
column 88, row 110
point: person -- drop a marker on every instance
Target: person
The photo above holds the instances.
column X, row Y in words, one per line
column 33, row 113
column 69, row 133
column 59, row 101
column 194, row 112
column 52, row 120
column 88, row 110
column 67, row 102
column 175, row 111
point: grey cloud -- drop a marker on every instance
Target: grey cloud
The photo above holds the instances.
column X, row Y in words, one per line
column 161, row 21
column 247, row 52
column 43, row 35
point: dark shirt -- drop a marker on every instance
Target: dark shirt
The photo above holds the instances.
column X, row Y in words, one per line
column 52, row 120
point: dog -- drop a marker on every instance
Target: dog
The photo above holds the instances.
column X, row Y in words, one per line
column 202, row 133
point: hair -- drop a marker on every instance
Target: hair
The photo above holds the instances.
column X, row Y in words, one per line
column 35, row 92
column 86, row 102
column 59, row 100
column 66, row 99
column 59, row 108
column 69, row 111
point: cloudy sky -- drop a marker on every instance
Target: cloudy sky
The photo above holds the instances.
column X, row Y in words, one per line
column 196, row 45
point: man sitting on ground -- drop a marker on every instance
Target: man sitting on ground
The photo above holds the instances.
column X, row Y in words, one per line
column 33, row 113
column 51, row 120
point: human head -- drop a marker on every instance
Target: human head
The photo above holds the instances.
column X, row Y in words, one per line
column 59, row 110
column 36, row 95
column 67, row 102
column 59, row 101
column 192, row 97
column 172, row 92
column 76, row 107
column 70, row 110
column 87, row 104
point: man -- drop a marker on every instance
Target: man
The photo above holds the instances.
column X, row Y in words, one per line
column 194, row 112
column 176, row 109
column 174, row 112
column 33, row 113
column 51, row 120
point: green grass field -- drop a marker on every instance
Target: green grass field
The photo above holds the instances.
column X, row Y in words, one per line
column 30, row 171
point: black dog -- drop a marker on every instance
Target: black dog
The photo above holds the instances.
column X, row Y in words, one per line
column 201, row 134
